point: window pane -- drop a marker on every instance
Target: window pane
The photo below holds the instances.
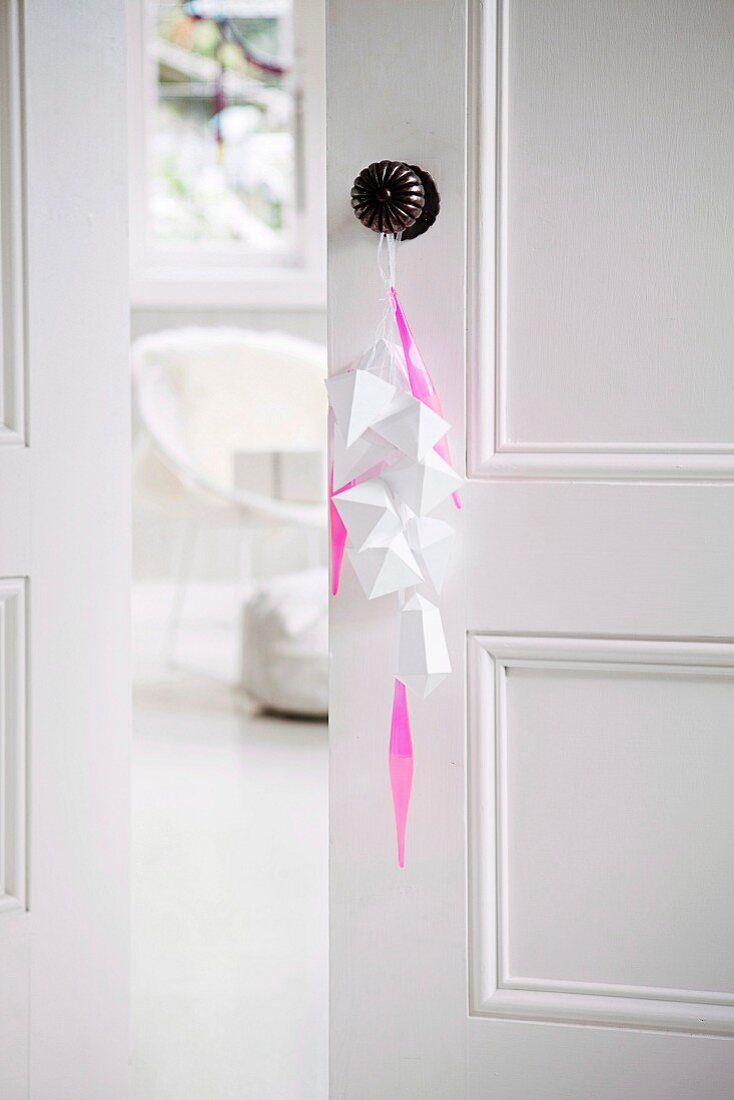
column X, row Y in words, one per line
column 222, row 143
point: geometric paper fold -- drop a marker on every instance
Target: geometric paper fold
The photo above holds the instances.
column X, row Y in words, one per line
column 410, row 426
column 368, row 513
column 431, row 541
column 423, row 658
column 420, row 381
column 384, row 569
column 358, row 398
column 422, row 485
column 351, row 462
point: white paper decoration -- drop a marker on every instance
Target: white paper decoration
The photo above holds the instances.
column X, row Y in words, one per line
column 368, row 513
column 357, row 398
column 391, row 469
column 431, row 541
column 410, row 426
column 351, row 462
column 422, row 485
column 385, row 569
column 423, row 659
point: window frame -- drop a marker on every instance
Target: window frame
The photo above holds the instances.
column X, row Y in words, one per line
column 205, row 279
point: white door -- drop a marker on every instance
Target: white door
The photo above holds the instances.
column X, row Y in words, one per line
column 563, row 927
column 64, row 538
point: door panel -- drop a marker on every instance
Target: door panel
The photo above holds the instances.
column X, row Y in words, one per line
column 64, row 553
column 617, row 162
column 561, row 928
column 600, row 878
column 610, row 261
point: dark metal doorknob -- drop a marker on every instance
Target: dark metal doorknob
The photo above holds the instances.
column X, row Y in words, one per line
column 390, row 196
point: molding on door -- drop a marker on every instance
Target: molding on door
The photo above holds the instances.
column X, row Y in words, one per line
column 12, row 221
column 493, row 991
column 490, row 454
column 13, row 873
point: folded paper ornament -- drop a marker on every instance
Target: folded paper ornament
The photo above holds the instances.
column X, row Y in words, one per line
column 358, row 398
column 410, row 425
column 419, row 380
column 431, row 541
column 365, row 454
column 384, row 569
column 391, row 467
column 368, row 513
column 423, row 658
column 422, row 485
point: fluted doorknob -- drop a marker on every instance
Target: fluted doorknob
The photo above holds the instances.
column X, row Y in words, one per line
column 390, row 196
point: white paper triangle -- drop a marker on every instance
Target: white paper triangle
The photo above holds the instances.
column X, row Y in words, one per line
column 423, row 657
column 384, row 569
column 410, row 425
column 422, row 485
column 431, row 541
column 368, row 513
column 351, row 462
column 422, row 686
column 358, row 398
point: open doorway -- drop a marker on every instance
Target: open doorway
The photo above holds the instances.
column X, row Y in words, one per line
column 229, row 838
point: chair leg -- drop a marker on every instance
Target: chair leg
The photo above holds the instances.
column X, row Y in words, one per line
column 182, row 574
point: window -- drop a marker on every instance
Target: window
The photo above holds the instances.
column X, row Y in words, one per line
column 227, row 152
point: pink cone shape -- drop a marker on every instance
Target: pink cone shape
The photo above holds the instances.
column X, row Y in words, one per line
column 401, row 765
column 337, row 537
column 421, row 383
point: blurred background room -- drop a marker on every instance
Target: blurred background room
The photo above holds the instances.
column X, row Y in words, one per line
column 229, row 549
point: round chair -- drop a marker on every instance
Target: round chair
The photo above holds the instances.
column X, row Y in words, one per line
column 205, row 395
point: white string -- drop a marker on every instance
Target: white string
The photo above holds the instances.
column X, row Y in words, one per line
column 391, row 240
column 388, row 242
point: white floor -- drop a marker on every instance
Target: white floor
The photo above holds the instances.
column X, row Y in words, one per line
column 230, row 843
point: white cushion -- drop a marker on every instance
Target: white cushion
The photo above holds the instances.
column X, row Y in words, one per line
column 285, row 644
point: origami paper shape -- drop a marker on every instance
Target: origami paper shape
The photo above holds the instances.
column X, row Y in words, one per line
column 400, row 758
column 410, row 425
column 422, row 485
column 421, row 383
column 351, row 462
column 383, row 569
column 369, row 513
column 431, row 541
column 423, row 658
column 391, row 466
column 358, row 398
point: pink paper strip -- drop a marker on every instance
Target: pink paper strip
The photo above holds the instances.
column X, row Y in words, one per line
column 337, row 537
column 400, row 758
column 421, row 383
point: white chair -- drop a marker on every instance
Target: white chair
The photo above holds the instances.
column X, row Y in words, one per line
column 204, row 395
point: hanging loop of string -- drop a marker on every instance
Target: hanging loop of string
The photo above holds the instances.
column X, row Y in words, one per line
column 389, row 243
column 387, row 253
